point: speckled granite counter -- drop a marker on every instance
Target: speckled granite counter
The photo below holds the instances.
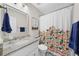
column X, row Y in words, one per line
column 9, row 47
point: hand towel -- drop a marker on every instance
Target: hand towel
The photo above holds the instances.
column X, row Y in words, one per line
column 6, row 24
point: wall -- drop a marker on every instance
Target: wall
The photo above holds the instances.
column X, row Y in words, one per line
column 19, row 19
column 1, row 40
column 60, row 19
column 34, row 13
column 76, row 12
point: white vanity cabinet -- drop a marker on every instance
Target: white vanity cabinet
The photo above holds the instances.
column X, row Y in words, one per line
column 28, row 50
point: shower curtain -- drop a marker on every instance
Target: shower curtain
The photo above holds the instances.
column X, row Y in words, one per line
column 55, row 30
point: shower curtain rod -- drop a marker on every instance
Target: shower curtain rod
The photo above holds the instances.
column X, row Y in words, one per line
column 15, row 9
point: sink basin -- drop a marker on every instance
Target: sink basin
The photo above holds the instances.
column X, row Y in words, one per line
column 42, row 47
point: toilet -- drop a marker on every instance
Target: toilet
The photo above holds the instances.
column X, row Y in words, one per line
column 42, row 49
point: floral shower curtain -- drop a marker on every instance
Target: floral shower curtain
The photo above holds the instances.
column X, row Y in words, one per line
column 55, row 31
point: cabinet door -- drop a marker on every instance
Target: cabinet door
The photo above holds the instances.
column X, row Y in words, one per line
column 28, row 50
column 33, row 47
column 34, row 52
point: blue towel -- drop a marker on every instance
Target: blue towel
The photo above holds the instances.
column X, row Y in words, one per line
column 77, row 44
column 6, row 24
column 74, row 38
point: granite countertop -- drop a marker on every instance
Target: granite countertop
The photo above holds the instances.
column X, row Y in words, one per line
column 13, row 45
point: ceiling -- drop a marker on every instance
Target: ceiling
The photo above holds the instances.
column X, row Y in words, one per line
column 46, row 8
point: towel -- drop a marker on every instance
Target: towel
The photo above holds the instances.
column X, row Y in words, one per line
column 6, row 24
column 74, row 38
column 77, row 44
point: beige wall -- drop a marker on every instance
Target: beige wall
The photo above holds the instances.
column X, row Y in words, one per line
column 34, row 13
column 76, row 12
column 19, row 19
column 0, row 18
column 1, row 13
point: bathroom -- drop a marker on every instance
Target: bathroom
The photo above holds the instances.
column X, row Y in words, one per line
column 38, row 29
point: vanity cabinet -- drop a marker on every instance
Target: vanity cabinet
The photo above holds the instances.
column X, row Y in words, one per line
column 34, row 53
column 28, row 50
column 1, row 49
